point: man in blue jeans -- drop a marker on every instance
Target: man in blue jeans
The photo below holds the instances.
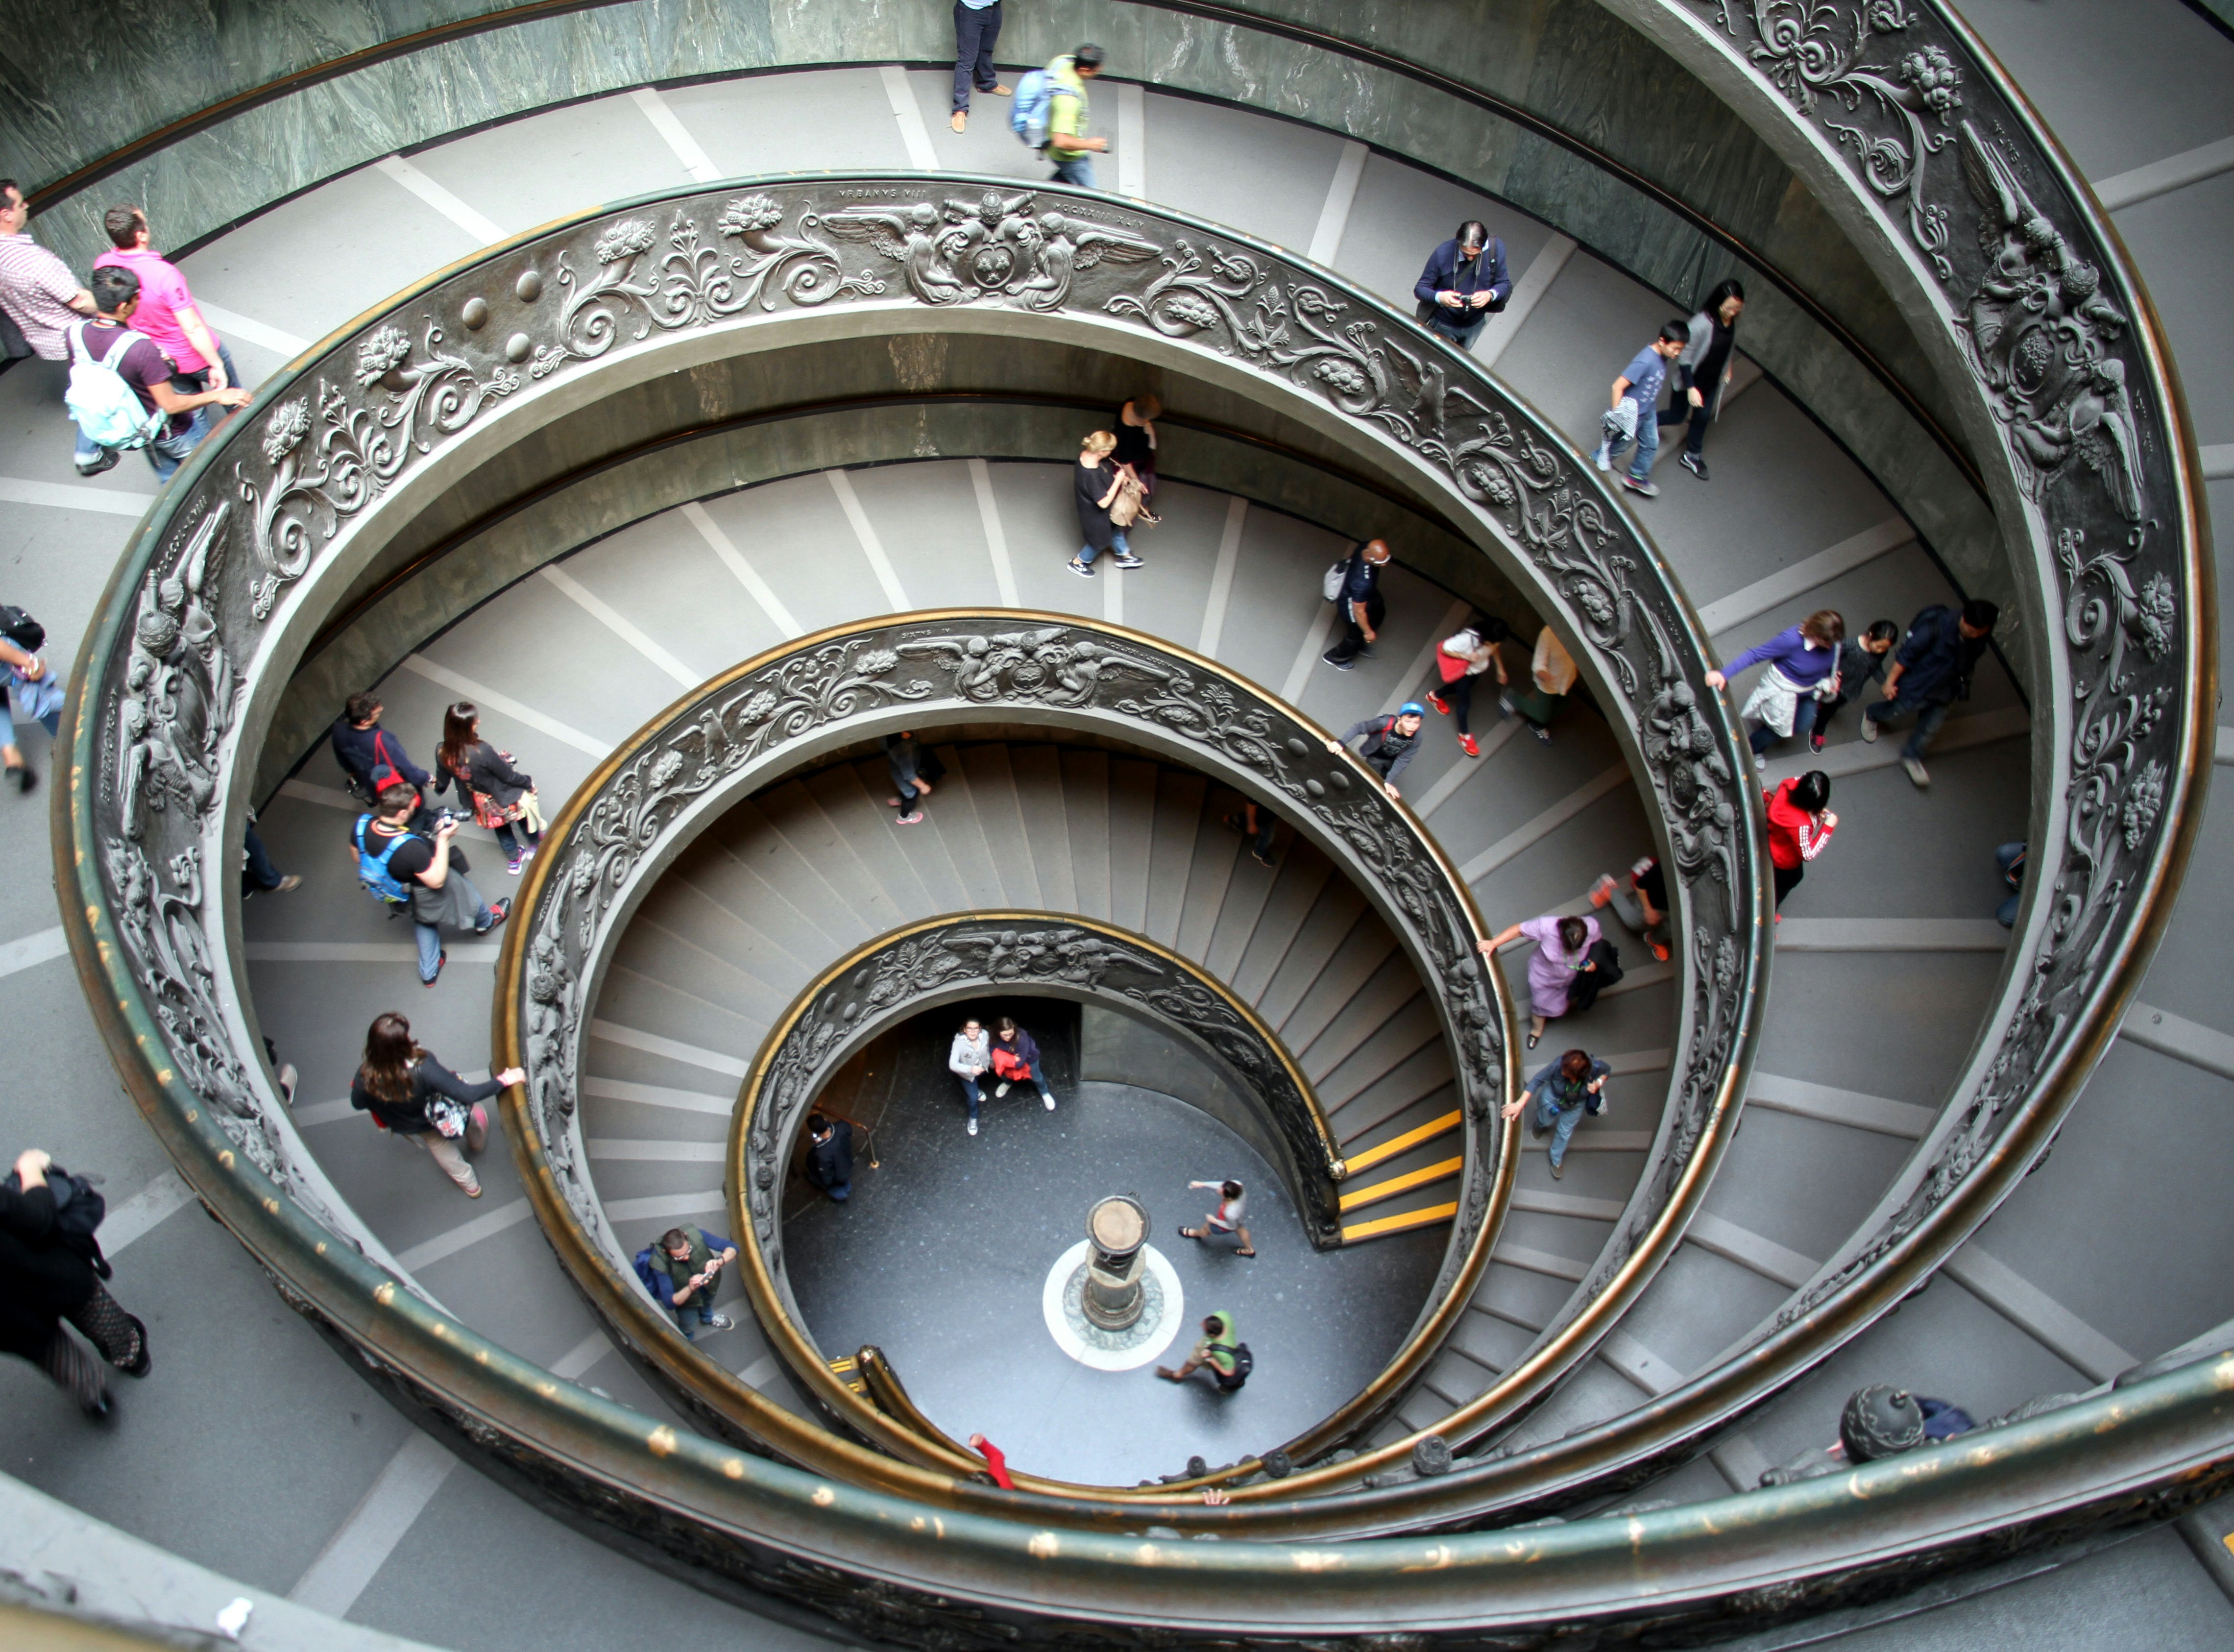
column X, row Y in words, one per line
column 435, row 891
column 686, row 1274
column 1930, row 672
column 1563, row 1091
column 977, row 26
column 1639, row 386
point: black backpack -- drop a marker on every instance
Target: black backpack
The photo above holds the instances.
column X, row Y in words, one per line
column 1244, row 1363
column 22, row 630
column 79, row 1208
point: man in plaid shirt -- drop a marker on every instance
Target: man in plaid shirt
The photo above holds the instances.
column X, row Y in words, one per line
column 40, row 295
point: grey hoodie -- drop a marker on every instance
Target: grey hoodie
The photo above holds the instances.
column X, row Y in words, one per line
column 970, row 1056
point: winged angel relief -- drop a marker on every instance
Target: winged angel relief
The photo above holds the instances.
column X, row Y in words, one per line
column 997, row 246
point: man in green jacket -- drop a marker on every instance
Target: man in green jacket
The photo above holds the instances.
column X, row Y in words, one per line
column 1068, row 146
column 1215, row 1349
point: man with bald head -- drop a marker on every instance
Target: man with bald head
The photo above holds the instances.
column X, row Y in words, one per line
column 1359, row 601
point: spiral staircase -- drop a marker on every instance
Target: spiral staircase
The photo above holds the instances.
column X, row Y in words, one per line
column 1801, row 1186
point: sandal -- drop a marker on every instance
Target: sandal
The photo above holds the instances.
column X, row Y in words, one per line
column 1244, row 1253
column 1188, row 1233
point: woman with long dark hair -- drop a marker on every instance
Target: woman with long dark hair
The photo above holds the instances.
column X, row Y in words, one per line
column 1702, row 372
column 501, row 798
column 410, row 1094
column 1799, row 826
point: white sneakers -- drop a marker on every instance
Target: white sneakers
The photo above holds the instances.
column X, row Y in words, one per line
column 1000, row 1089
column 973, row 1126
column 1915, row 771
column 1869, row 731
column 1050, row 1102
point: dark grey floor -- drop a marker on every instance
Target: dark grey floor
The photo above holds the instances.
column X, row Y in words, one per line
column 940, row 1256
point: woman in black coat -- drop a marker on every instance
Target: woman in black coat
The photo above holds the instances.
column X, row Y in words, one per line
column 48, row 1275
column 397, row 1084
column 487, row 783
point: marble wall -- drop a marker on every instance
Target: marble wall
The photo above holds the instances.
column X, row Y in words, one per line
column 84, row 79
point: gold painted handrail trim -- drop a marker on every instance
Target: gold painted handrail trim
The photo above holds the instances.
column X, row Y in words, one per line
column 792, row 1345
column 653, row 1339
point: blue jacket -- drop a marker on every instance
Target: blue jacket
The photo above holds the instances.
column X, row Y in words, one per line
column 1803, row 667
column 1563, row 1096
column 1441, row 273
column 1936, row 658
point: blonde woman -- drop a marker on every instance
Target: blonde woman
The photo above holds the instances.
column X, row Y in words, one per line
column 1098, row 480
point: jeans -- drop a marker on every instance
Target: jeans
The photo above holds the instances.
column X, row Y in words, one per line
column 511, row 841
column 699, row 1310
column 1928, row 718
column 1118, row 543
column 2004, row 858
column 195, row 383
column 976, row 1095
column 1445, row 326
column 840, row 1190
column 1035, row 1080
column 429, row 936
column 1353, row 635
column 1682, row 409
column 1803, row 720
column 1078, row 172
column 51, row 722
column 259, row 873
column 1560, row 1121
column 1647, row 444
column 976, row 28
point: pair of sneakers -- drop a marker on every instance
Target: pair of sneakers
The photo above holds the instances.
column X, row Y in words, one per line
column 1643, row 484
column 1467, row 743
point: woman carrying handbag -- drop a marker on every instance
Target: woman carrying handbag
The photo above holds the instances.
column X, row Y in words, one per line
column 500, row 796
column 411, row 1094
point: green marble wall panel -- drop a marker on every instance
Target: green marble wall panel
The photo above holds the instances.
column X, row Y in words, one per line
column 1566, row 61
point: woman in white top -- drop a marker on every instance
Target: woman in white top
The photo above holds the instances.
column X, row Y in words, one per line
column 1225, row 1216
column 1459, row 660
column 968, row 1058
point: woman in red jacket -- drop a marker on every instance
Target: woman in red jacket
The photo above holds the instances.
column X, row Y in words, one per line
column 1799, row 823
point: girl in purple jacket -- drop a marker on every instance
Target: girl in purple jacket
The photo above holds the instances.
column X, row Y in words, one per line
column 1803, row 670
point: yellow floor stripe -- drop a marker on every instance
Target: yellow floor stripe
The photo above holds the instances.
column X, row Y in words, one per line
column 1396, row 1184
column 1373, row 1156
column 1386, row 1225
column 840, row 1368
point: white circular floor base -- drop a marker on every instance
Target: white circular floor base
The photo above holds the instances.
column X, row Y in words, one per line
column 1088, row 1343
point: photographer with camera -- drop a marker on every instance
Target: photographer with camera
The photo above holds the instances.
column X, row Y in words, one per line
column 1464, row 283
column 403, row 870
column 685, row 1275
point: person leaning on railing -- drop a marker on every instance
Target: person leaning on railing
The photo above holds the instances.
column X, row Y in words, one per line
column 1563, row 1091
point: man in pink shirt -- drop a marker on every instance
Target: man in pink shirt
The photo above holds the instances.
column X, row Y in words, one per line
column 167, row 312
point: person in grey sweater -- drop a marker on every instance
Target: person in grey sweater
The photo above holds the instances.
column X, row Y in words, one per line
column 1390, row 744
column 968, row 1058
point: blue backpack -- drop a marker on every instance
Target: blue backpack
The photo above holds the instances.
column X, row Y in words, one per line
column 1027, row 114
column 647, row 1274
column 372, row 869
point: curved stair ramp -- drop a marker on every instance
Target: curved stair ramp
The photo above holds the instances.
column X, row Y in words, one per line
column 1849, row 1182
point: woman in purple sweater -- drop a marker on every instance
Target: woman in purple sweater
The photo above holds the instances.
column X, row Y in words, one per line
column 1803, row 663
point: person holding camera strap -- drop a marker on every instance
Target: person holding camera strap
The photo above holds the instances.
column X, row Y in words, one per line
column 398, row 866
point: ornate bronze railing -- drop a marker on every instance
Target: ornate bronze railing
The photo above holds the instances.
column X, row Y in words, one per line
column 743, row 730
column 2068, row 389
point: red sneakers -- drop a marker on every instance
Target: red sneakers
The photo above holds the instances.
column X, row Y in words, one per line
column 1469, row 745
column 1440, row 704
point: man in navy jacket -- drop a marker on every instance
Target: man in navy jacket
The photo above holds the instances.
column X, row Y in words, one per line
column 1930, row 672
column 1466, row 279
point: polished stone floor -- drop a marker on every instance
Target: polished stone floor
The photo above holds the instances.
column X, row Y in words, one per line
column 940, row 1256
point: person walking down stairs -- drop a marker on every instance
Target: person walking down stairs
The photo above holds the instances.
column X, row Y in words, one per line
column 1634, row 417
column 1800, row 827
column 1460, row 659
column 1550, row 675
column 1562, row 1092
column 501, row 798
column 1563, row 952
column 1643, row 905
column 28, row 685
column 1931, row 671
column 51, row 1269
column 1802, row 671
column 415, row 1098
column 1098, row 483
column 977, row 26
column 1359, row 603
column 913, row 769
column 1390, row 743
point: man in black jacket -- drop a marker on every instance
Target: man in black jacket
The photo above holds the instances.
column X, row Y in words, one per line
column 1465, row 281
column 47, row 1274
column 1930, row 672
column 830, row 1155
column 369, row 754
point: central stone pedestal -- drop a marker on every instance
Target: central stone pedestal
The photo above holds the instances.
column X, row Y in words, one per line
column 1112, row 1295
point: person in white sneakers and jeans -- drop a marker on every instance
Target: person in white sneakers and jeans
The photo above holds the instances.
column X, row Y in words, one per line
column 1016, row 1058
column 1635, row 413
column 110, row 363
column 968, row 1059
